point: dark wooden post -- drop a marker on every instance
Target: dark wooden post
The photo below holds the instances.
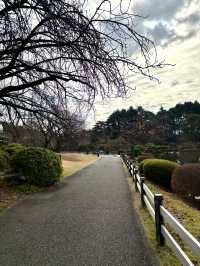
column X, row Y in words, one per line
column 131, row 169
column 133, row 172
column 158, row 201
column 142, row 180
column 135, row 179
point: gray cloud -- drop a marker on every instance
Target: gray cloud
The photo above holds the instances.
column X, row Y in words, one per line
column 175, row 83
column 162, row 23
column 192, row 19
column 161, row 33
column 157, row 9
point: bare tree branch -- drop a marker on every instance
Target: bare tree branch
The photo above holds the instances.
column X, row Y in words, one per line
column 53, row 53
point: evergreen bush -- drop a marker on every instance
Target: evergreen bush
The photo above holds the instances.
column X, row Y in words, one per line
column 141, row 165
column 159, row 171
column 40, row 167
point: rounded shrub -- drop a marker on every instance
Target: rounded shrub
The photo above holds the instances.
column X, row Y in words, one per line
column 186, row 180
column 141, row 165
column 40, row 167
column 4, row 160
column 159, row 171
column 144, row 156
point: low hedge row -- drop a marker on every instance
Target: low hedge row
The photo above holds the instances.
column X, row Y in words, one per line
column 141, row 166
column 182, row 179
column 159, row 171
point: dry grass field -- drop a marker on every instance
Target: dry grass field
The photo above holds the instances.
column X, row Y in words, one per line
column 73, row 162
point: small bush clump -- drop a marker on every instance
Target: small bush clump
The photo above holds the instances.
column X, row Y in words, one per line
column 4, row 160
column 40, row 167
column 144, row 156
column 159, row 171
column 136, row 150
column 186, row 180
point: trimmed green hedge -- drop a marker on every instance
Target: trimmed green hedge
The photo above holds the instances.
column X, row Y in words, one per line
column 186, row 180
column 141, row 165
column 159, row 171
column 40, row 167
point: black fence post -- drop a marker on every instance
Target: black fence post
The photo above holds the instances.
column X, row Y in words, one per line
column 135, row 178
column 130, row 168
column 142, row 180
column 158, row 201
column 131, row 171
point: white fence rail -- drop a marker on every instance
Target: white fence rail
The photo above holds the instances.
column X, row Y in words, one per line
column 162, row 216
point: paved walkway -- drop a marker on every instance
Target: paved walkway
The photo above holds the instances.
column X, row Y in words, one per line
column 88, row 220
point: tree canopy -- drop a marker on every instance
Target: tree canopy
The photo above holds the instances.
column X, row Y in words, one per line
column 138, row 126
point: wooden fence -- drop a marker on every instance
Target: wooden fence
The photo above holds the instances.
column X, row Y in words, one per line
column 161, row 216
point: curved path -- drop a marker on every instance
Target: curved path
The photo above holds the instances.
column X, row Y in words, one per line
column 87, row 220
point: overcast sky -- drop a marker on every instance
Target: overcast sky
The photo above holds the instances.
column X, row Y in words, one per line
column 174, row 25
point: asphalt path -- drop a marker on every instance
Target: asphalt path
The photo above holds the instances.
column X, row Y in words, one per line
column 87, row 220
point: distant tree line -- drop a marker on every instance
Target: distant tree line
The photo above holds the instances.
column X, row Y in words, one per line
column 58, row 137
column 126, row 128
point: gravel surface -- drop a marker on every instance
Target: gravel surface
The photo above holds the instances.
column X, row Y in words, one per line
column 86, row 220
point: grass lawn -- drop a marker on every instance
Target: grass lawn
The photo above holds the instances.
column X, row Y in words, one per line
column 73, row 162
column 182, row 211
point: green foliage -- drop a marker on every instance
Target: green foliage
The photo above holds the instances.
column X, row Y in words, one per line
column 159, row 171
column 13, row 148
column 26, row 188
column 145, row 156
column 40, row 167
column 141, row 165
column 4, row 160
column 186, row 180
column 171, row 156
column 137, row 150
column 152, row 148
column 154, row 131
column 191, row 127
